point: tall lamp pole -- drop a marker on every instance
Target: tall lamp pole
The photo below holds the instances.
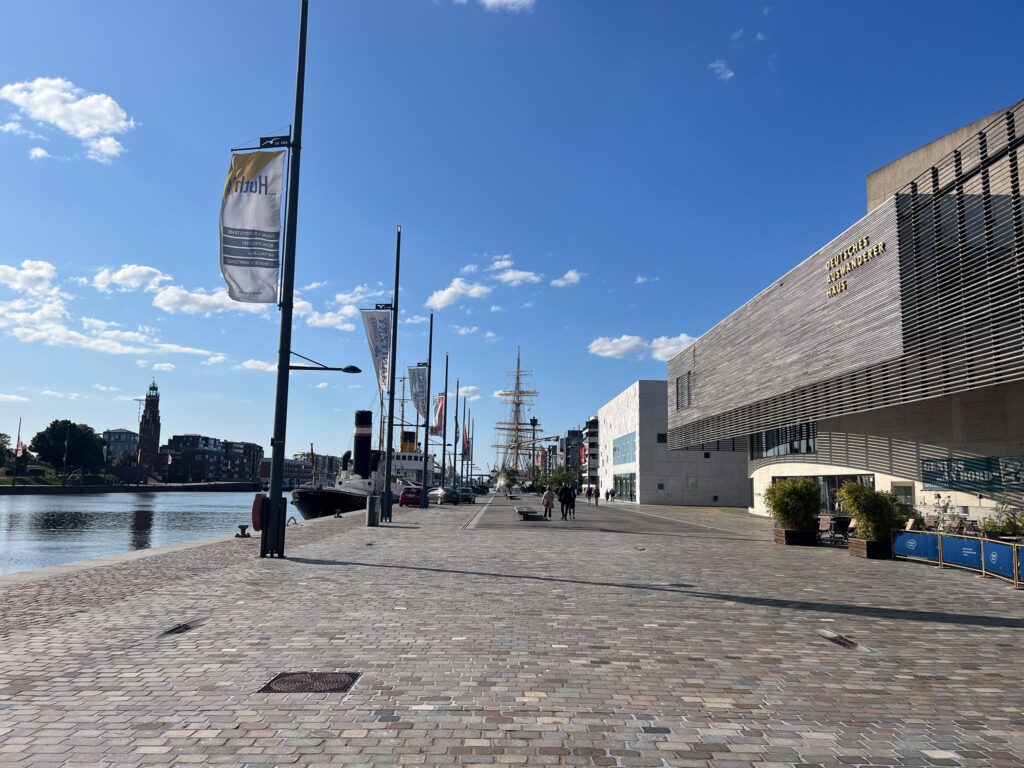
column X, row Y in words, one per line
column 385, row 507
column 533, row 449
column 427, row 415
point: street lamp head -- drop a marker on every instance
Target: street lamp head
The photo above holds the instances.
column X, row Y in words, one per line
column 351, row 369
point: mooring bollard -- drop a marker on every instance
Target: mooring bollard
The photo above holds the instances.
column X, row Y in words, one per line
column 242, row 532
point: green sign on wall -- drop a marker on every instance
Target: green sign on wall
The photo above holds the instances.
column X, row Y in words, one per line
column 981, row 474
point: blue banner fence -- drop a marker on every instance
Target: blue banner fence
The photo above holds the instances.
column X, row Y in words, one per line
column 999, row 559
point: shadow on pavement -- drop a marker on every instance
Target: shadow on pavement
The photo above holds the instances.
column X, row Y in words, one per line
column 899, row 614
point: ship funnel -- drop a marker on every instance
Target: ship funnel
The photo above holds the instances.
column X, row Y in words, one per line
column 361, row 443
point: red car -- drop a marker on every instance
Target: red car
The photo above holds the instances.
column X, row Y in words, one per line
column 410, row 495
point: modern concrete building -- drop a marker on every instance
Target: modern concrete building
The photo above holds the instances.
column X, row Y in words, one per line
column 636, row 462
column 589, row 469
column 894, row 355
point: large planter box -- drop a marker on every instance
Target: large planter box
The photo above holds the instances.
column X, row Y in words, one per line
column 875, row 550
column 799, row 538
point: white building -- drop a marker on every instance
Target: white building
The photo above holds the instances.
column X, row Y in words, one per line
column 120, row 441
column 634, row 458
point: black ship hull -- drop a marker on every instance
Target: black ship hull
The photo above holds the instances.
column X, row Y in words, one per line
column 321, row 502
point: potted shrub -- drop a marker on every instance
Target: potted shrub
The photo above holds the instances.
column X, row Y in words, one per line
column 877, row 513
column 1008, row 520
column 794, row 503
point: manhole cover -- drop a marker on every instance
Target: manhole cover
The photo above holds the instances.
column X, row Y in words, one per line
column 311, row 682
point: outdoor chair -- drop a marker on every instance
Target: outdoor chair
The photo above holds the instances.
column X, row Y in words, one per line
column 824, row 527
column 931, row 522
column 840, row 529
column 972, row 529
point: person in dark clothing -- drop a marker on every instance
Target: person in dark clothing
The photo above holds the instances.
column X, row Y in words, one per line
column 572, row 504
column 563, row 500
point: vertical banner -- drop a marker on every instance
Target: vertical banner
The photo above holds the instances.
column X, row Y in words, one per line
column 250, row 226
column 418, row 389
column 377, row 323
column 435, row 424
column 583, row 454
column 465, row 442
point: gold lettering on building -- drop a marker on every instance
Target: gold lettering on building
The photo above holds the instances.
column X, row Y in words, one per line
column 849, row 259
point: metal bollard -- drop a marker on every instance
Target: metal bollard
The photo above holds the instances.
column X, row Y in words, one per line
column 372, row 511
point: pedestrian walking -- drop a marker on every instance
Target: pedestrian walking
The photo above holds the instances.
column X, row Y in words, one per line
column 597, row 496
column 613, row 494
column 606, row 495
column 572, row 504
column 590, row 492
column 563, row 500
column 548, row 499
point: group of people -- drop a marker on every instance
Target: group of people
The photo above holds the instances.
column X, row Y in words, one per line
column 567, row 499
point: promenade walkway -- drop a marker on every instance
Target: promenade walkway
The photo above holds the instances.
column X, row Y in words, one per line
column 632, row 636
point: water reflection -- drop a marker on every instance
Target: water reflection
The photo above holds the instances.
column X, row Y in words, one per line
column 39, row 531
column 142, row 528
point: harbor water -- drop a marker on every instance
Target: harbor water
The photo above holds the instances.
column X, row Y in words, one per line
column 39, row 531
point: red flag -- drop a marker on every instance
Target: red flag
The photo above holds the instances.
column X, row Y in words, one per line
column 465, row 442
column 18, row 454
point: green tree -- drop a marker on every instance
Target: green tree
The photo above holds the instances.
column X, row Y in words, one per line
column 79, row 442
column 6, row 452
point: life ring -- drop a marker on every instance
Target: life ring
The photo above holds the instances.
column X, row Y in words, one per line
column 258, row 504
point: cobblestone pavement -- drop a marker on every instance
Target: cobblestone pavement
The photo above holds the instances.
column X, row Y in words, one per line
column 484, row 643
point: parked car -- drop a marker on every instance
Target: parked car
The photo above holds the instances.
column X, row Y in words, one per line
column 443, row 495
column 410, row 495
column 466, row 495
column 480, row 490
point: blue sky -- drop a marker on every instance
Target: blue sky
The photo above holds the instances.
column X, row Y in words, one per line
column 596, row 182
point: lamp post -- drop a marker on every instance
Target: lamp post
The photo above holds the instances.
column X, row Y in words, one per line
column 533, row 452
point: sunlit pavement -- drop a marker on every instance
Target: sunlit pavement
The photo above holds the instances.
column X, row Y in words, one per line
column 629, row 636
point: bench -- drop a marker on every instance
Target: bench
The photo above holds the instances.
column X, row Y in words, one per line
column 524, row 512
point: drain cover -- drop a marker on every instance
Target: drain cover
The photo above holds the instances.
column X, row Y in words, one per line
column 841, row 640
column 311, row 682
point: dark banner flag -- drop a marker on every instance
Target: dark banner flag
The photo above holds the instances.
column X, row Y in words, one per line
column 436, row 421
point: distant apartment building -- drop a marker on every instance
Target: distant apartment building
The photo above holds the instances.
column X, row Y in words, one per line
column 589, row 461
column 296, row 473
column 119, row 442
column 195, row 458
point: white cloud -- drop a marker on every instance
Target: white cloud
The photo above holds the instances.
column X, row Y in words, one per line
column 94, row 119
column 323, row 385
column 463, row 330
column 662, row 348
column 354, row 386
column 142, row 363
column 456, row 290
column 214, row 359
column 516, row 277
column 105, row 388
column 469, row 269
column 760, row 36
column 174, row 299
column 500, row 262
column 256, row 365
column 38, row 153
column 527, row 305
column 492, row 336
column 666, row 347
column 416, row 319
column 313, row 286
column 338, row 320
column 12, row 398
column 498, row 393
column 69, row 396
column 33, row 278
column 17, row 129
column 736, row 35
column 507, row 5
column 94, row 324
column 623, row 346
column 360, row 293
column 178, row 349
column 640, row 279
column 766, row 10
column 496, row 308
column 721, row 69
column 470, row 393
column 569, row 278
column 164, row 367
column 130, row 277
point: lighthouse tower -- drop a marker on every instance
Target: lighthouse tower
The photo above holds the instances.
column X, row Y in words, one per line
column 149, row 430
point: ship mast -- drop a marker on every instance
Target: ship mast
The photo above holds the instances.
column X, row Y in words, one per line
column 517, row 430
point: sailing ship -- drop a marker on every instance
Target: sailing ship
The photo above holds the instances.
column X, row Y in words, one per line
column 517, row 434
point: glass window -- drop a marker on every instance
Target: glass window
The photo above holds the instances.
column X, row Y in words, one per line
column 683, row 390
column 624, row 449
column 662, row 437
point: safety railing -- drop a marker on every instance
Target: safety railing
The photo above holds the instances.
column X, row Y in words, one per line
column 989, row 557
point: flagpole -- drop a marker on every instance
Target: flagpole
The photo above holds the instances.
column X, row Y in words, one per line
column 456, row 437
column 386, row 501
column 444, row 424
column 17, row 455
column 272, row 540
column 428, row 415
